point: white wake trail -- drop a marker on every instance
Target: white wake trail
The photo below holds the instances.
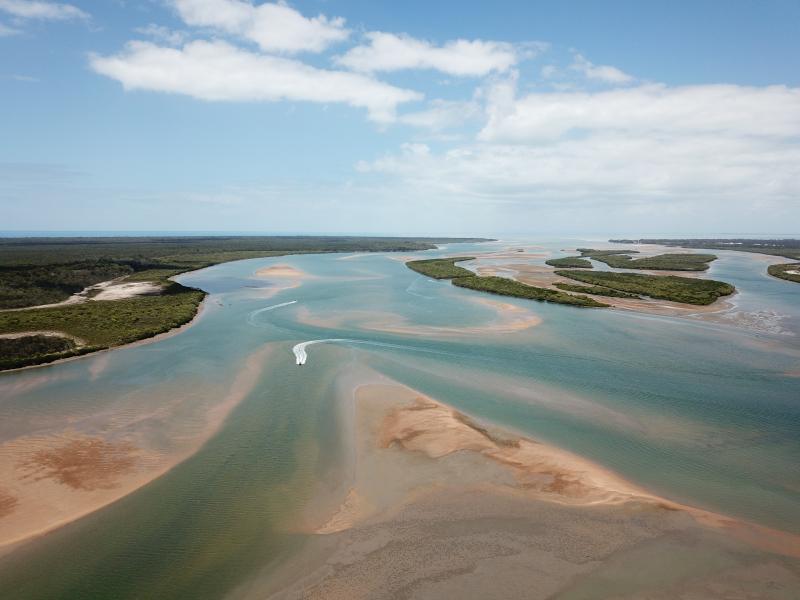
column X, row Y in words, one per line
column 251, row 317
column 301, row 356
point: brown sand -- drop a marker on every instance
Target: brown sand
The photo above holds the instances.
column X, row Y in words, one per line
column 281, row 271
column 441, row 507
column 508, row 318
column 52, row 478
column 282, row 277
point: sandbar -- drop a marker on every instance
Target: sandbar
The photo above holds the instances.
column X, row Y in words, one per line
column 441, row 506
column 53, row 477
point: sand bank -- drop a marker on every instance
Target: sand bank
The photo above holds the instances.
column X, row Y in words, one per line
column 443, row 507
column 56, row 476
column 507, row 318
column 282, row 277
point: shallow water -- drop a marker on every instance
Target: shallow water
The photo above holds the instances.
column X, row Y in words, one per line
column 705, row 413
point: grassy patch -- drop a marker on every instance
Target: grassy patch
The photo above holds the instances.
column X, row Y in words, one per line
column 569, row 262
column 619, row 259
column 21, row 351
column 22, row 286
column 781, row 271
column 665, row 287
column 102, row 324
column 441, row 268
column 509, row 287
column 594, row 289
column 444, row 268
column 788, row 247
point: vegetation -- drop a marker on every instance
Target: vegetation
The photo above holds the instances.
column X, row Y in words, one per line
column 36, row 271
column 783, row 271
column 109, row 323
column 665, row 287
column 789, row 248
column 441, row 268
column 509, row 287
column 22, row 286
column 445, row 268
column 19, row 351
column 594, row 289
column 620, row 259
column 569, row 262
column 591, row 252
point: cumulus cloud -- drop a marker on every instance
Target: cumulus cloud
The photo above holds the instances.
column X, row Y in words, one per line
column 33, row 9
column 390, row 52
column 639, row 147
column 604, row 73
column 275, row 27
column 645, row 110
column 218, row 71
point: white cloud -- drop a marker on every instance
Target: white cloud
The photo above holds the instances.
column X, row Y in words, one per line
column 604, row 73
column 726, row 147
column 390, row 52
column 218, row 71
column 275, row 27
column 163, row 34
column 32, row 9
column 647, row 110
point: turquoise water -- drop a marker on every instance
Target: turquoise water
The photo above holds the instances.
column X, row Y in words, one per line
column 701, row 412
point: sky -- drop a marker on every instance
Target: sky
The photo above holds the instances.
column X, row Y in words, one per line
column 448, row 118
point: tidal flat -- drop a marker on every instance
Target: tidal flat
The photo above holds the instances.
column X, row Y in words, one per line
column 440, row 443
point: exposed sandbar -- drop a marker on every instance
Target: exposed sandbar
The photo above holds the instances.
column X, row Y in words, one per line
column 55, row 477
column 443, row 507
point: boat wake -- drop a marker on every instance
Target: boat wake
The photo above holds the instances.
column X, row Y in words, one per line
column 251, row 317
column 301, row 356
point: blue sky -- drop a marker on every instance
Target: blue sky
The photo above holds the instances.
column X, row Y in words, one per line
column 400, row 117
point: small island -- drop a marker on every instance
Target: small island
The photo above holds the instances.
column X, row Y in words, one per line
column 445, row 268
column 787, row 271
column 788, row 248
column 621, row 259
column 686, row 290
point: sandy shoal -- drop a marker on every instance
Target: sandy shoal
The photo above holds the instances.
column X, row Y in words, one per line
column 55, row 477
column 440, row 506
column 282, row 271
column 507, row 318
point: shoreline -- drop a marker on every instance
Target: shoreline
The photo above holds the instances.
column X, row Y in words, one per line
column 202, row 308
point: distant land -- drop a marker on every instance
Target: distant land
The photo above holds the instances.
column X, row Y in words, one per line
column 68, row 296
column 787, row 247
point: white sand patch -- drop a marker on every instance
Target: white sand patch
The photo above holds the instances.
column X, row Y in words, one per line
column 127, row 290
